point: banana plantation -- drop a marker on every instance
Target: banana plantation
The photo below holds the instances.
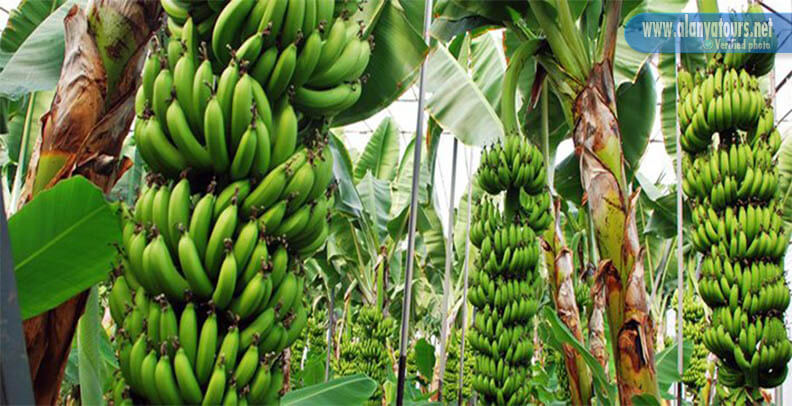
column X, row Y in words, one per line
column 395, row 202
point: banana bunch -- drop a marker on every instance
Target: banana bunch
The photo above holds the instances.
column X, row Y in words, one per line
column 732, row 186
column 738, row 172
column 451, row 377
column 305, row 48
column 722, row 100
column 311, row 343
column 191, row 119
column 512, row 164
column 505, row 278
column 757, row 64
column 120, row 392
column 198, row 16
column 365, row 346
column 693, row 328
column 204, row 302
column 292, row 202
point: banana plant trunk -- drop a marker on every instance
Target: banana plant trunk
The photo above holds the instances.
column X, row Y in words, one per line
column 598, row 144
column 561, row 268
column 82, row 134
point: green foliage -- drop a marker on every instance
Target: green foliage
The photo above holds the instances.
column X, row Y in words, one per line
column 58, row 253
column 309, row 347
column 693, row 326
column 365, row 345
column 451, row 377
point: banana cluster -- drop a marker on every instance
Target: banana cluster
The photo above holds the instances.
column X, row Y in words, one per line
column 190, row 118
column 732, row 185
column 513, row 164
column 307, row 50
column 735, row 173
column 693, row 328
column 757, row 64
column 311, row 343
column 451, row 377
column 721, row 101
column 197, row 15
column 505, row 279
column 205, row 302
column 364, row 348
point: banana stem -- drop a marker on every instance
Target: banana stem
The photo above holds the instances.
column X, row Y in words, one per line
column 511, row 125
column 549, row 166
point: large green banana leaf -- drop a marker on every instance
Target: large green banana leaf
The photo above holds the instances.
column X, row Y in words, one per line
column 347, row 391
column 375, row 194
column 398, row 52
column 457, row 103
column 36, row 64
column 23, row 20
column 58, row 253
column 785, row 176
column 381, row 155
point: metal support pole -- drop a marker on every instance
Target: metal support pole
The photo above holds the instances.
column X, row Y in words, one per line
column 15, row 385
column 680, row 258
column 408, row 273
column 465, row 267
column 449, row 260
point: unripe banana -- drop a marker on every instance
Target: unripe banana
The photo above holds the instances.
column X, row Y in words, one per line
column 245, row 154
column 223, row 230
column 241, row 110
column 189, row 387
column 226, row 281
column 228, row 27
column 201, row 223
column 215, row 133
column 207, row 349
column 283, row 71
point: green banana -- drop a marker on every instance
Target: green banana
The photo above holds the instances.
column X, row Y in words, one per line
column 188, row 332
column 207, row 349
column 227, row 28
column 189, row 387
column 223, row 230
column 201, row 223
column 283, row 71
column 284, row 141
column 226, row 281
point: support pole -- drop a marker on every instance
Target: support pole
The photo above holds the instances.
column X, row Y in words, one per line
column 680, row 257
column 449, row 261
column 15, row 384
column 408, row 273
column 466, row 266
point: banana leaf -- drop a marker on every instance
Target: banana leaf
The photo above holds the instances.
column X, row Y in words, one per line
column 23, row 20
column 487, row 66
column 375, row 195
column 398, row 52
column 36, row 65
column 635, row 103
column 62, row 243
column 91, row 365
column 381, row 155
column 402, row 184
column 785, row 179
column 346, row 391
column 457, row 103
column 349, row 201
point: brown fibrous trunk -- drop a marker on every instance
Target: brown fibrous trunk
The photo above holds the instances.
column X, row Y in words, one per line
column 598, row 144
column 85, row 128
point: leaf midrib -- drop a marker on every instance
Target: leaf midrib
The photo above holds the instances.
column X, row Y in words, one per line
column 336, row 385
column 58, row 238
